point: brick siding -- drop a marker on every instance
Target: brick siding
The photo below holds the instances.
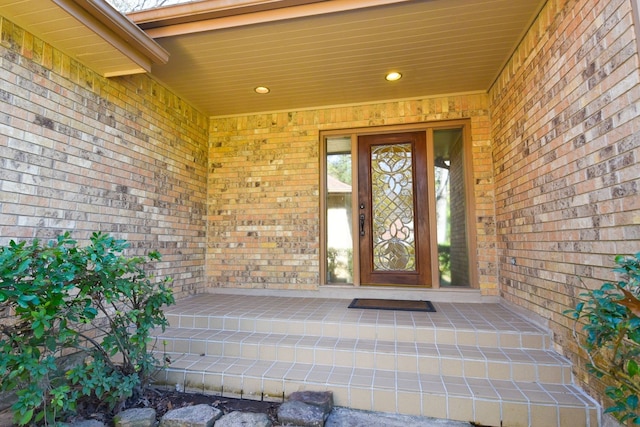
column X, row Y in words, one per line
column 566, row 148
column 264, row 203
column 83, row 153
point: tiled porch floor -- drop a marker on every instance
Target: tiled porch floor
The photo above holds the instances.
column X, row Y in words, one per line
column 470, row 362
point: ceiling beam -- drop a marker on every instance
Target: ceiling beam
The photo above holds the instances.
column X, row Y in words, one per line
column 211, row 15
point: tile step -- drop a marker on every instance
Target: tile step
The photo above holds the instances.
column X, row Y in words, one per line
column 485, row 325
column 446, row 359
column 471, row 362
column 401, row 329
column 490, row 402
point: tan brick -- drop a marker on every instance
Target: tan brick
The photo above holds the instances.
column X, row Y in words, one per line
column 73, row 171
column 251, row 172
column 562, row 119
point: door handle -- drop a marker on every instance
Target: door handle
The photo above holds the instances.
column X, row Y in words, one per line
column 362, row 224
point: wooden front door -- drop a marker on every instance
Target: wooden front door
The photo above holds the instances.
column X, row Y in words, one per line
column 393, row 210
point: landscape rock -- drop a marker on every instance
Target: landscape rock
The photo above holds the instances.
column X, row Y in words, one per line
column 136, row 417
column 321, row 399
column 7, row 399
column 84, row 423
column 244, row 419
column 6, row 417
column 341, row 417
column 301, row 414
column 191, row 416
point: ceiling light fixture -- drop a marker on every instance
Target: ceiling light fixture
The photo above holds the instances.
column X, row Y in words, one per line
column 393, row 76
column 262, row 89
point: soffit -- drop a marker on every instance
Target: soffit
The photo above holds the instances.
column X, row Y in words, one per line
column 89, row 31
column 338, row 57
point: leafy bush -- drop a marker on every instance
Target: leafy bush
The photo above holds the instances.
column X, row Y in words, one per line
column 612, row 342
column 75, row 324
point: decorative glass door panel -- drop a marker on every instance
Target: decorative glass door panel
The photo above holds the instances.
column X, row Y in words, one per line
column 393, row 210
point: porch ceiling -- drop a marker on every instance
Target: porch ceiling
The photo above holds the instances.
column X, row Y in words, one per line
column 319, row 53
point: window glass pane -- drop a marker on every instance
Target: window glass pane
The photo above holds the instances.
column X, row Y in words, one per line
column 451, row 209
column 339, row 244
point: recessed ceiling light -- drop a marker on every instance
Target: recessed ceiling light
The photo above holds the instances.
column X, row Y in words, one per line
column 393, row 76
column 262, row 89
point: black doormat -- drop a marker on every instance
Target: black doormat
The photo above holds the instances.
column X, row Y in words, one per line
column 392, row 304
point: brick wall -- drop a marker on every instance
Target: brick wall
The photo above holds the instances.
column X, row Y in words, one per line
column 566, row 136
column 83, row 153
column 263, row 221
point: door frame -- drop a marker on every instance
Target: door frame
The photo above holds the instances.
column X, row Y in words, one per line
column 421, row 276
column 428, row 127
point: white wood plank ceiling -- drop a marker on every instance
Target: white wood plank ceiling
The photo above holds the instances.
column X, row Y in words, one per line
column 309, row 53
column 439, row 46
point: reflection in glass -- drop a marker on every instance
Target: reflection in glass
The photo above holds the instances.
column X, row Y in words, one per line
column 451, row 209
column 339, row 244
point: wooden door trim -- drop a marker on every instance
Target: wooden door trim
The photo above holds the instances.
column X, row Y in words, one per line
column 465, row 125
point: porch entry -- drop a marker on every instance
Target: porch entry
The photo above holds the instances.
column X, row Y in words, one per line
column 396, row 207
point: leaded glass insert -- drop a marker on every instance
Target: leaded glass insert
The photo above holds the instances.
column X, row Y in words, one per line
column 392, row 216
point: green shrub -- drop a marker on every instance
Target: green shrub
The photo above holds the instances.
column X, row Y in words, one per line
column 75, row 325
column 611, row 318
